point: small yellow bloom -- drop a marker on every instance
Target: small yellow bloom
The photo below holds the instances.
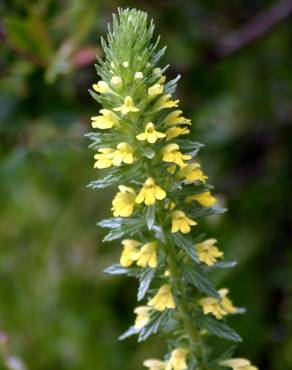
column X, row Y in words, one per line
column 143, row 316
column 205, row 199
column 238, row 364
column 150, row 134
column 175, row 118
column 107, row 120
column 116, row 81
column 123, row 154
column 154, row 364
column 129, row 253
column 124, row 201
column 173, row 132
column 208, row 252
column 103, row 158
column 101, row 87
column 165, row 102
column 171, row 153
column 150, row 192
column 148, row 255
column 180, row 222
column 157, row 72
column 127, row 107
column 226, row 302
column 155, row 90
column 138, row 76
column 218, row 307
column 192, row 172
column 178, row 359
column 163, row 299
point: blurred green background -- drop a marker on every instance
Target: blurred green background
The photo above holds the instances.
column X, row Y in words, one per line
column 57, row 309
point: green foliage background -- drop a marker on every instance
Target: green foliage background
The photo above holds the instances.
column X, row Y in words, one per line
column 57, row 309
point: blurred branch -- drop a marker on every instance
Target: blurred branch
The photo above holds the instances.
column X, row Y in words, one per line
column 258, row 27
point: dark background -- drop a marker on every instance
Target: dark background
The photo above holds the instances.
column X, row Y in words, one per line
column 57, row 309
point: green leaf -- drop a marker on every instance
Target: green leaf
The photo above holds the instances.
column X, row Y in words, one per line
column 221, row 265
column 156, row 320
column 131, row 331
column 224, row 356
column 121, row 227
column 150, row 216
column 199, row 212
column 186, row 244
column 217, row 327
column 191, row 147
column 195, row 276
column 144, row 282
column 116, row 270
column 117, row 175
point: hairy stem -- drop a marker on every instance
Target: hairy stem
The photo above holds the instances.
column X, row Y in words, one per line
column 193, row 334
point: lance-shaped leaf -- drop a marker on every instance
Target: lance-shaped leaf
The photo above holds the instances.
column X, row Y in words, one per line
column 195, row 276
column 186, row 244
column 156, row 320
column 216, row 327
column 150, row 216
column 121, row 227
column 144, row 282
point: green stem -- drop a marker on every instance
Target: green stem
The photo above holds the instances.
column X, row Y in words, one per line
column 194, row 336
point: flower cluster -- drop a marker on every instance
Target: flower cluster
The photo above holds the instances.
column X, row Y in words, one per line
column 162, row 195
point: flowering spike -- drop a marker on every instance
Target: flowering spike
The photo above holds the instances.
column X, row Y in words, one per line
column 162, row 195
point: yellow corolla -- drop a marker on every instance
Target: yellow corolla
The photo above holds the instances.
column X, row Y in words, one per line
column 154, row 90
column 163, row 299
column 150, row 192
column 148, row 255
column 165, row 102
column 101, row 87
column 192, row 172
column 142, row 316
column 238, row 364
column 208, row 252
column 130, row 252
column 205, row 199
column 124, row 202
column 127, row 106
column 150, row 134
column 180, row 222
column 106, row 120
column 175, row 118
column 218, row 307
column 171, row 153
column 123, row 154
column 154, row 364
column 174, row 132
column 104, row 158
column 178, row 359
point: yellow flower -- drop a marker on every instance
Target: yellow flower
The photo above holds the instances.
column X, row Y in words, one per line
column 192, row 172
column 116, row 81
column 238, row 364
column 107, row 120
column 101, row 87
column 218, row 307
column 205, row 199
column 130, row 252
column 165, row 102
column 150, row 192
column 150, row 134
column 148, row 255
column 124, row 201
column 208, row 252
column 171, row 153
column 123, row 154
column 163, row 299
column 175, row 118
column 154, row 90
column 173, row 132
column 104, row 158
column 226, row 302
column 177, row 359
column 154, row 364
column 180, row 222
column 143, row 316
column 127, row 107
